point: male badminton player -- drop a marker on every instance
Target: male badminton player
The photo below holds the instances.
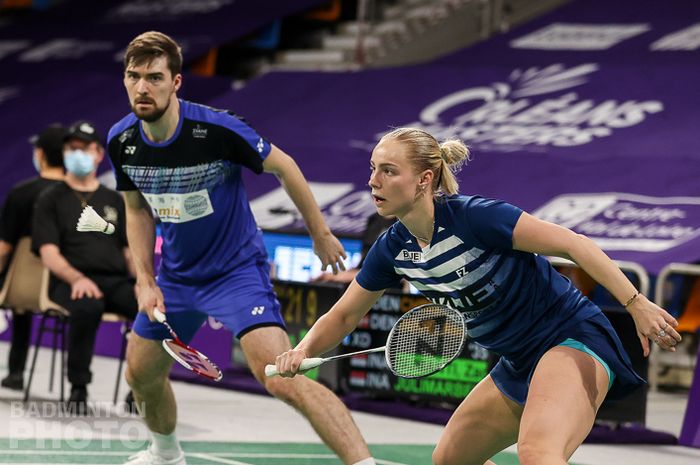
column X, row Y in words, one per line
column 559, row 355
column 184, row 161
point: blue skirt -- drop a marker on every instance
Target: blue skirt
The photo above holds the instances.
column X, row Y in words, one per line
column 512, row 376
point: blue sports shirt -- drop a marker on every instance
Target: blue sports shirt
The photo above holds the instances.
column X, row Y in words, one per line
column 510, row 298
column 193, row 183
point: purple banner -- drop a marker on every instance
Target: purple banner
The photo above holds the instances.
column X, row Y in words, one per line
column 593, row 106
column 79, row 33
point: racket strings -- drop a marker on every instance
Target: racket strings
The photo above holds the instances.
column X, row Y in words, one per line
column 192, row 360
column 425, row 340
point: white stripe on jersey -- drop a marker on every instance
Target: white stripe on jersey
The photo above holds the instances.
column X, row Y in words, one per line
column 441, row 270
column 457, row 284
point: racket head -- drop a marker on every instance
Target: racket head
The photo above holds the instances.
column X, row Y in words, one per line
column 424, row 340
column 192, row 359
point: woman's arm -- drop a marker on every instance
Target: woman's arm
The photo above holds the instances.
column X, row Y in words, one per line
column 330, row 329
column 534, row 235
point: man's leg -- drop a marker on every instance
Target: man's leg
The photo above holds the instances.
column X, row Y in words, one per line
column 83, row 322
column 17, row 360
column 326, row 413
column 147, row 369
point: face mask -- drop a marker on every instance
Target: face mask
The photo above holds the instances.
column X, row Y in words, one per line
column 79, row 163
column 35, row 161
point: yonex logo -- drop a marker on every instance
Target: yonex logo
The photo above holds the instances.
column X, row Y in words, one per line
column 130, row 149
column 257, row 310
column 261, row 145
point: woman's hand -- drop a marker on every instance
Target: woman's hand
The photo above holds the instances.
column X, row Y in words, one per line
column 655, row 323
column 288, row 363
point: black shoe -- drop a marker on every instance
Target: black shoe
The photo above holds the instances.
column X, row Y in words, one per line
column 77, row 403
column 14, row 381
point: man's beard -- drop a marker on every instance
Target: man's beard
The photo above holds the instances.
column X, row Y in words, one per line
column 152, row 116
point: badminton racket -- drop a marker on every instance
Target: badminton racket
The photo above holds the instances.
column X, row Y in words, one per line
column 422, row 342
column 190, row 358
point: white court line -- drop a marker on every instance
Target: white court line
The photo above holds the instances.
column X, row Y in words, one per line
column 211, row 458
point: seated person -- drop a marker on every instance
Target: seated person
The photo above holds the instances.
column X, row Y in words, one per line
column 90, row 271
column 16, row 222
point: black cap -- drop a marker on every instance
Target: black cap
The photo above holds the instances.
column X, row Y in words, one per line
column 50, row 139
column 83, row 130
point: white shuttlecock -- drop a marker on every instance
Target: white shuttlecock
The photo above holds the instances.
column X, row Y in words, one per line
column 90, row 221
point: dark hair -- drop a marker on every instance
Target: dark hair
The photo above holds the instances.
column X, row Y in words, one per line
column 50, row 141
column 153, row 44
column 426, row 153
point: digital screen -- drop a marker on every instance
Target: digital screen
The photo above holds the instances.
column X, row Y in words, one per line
column 294, row 258
column 292, row 255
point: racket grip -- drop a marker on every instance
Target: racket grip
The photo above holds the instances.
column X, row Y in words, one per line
column 306, row 365
column 158, row 315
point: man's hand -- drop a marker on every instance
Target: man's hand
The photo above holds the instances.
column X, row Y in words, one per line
column 149, row 296
column 85, row 287
column 330, row 251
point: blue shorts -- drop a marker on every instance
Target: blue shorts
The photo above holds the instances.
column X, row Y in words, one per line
column 595, row 336
column 241, row 300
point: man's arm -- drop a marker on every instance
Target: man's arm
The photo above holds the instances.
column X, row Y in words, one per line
column 5, row 251
column 326, row 245
column 140, row 232
column 129, row 262
column 81, row 285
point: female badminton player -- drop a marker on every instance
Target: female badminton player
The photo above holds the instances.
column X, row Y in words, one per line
column 560, row 356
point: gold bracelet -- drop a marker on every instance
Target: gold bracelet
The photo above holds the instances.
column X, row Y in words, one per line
column 632, row 299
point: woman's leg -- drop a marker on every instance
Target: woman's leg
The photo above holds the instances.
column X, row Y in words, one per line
column 565, row 393
column 485, row 423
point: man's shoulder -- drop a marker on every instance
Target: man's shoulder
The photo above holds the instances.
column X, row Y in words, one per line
column 206, row 115
column 123, row 129
column 52, row 193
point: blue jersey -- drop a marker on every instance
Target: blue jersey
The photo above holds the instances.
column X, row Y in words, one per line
column 511, row 299
column 193, row 183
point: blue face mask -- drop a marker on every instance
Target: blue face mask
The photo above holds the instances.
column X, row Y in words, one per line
column 35, row 161
column 78, row 163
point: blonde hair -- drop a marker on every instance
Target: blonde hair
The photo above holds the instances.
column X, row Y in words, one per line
column 426, row 153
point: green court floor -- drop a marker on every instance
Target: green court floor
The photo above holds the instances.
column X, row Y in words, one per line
column 110, row 451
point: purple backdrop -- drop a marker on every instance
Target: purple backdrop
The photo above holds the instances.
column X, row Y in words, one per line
column 587, row 117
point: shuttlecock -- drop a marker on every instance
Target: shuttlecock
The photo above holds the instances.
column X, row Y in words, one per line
column 90, row 221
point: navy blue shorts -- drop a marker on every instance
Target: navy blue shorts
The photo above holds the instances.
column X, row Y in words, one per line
column 513, row 377
column 241, row 300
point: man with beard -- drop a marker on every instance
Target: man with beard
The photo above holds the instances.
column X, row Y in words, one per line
column 183, row 161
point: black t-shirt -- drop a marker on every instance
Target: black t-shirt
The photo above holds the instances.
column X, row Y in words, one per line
column 16, row 218
column 56, row 215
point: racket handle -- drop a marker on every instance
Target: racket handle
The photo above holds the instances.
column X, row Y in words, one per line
column 306, row 365
column 158, row 315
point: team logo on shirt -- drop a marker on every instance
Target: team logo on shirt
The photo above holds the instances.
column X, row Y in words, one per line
column 110, row 214
column 125, row 135
column 180, row 208
column 410, row 256
column 199, row 132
